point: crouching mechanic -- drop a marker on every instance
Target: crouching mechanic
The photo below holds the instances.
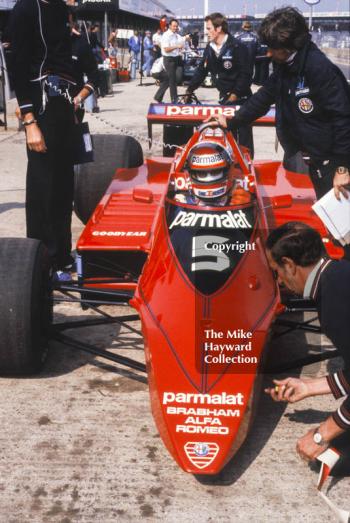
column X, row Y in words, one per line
column 296, row 254
column 210, row 178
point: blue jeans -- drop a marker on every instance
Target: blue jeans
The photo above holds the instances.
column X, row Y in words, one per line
column 147, row 61
column 135, row 64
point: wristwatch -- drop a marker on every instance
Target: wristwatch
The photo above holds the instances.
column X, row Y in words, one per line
column 317, row 437
column 29, row 122
column 342, row 170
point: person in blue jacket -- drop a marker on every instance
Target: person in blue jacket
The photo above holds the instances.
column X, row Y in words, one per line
column 147, row 53
column 249, row 39
column 134, row 44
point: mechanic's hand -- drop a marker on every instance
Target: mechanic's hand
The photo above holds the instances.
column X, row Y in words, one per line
column 35, row 139
column 18, row 113
column 217, row 120
column 187, row 97
column 308, row 449
column 77, row 101
column 232, row 98
column 240, row 196
column 289, row 389
column 341, row 182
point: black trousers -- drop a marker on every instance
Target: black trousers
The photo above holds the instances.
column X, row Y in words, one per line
column 50, row 180
column 170, row 64
column 321, row 177
column 244, row 133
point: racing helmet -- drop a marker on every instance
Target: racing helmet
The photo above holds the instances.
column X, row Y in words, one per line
column 208, row 164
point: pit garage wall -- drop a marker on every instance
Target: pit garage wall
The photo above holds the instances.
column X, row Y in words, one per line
column 126, row 15
column 341, row 57
column 5, row 8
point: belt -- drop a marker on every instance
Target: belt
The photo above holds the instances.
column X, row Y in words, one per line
column 56, row 86
column 317, row 163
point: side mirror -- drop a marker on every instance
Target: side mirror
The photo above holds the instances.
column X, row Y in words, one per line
column 279, row 202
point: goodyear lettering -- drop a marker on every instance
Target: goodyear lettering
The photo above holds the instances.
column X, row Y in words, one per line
column 209, row 399
column 119, row 233
column 227, row 220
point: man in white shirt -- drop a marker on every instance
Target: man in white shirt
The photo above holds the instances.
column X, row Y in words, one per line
column 172, row 44
column 157, row 42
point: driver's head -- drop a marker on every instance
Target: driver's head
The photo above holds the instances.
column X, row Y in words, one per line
column 208, row 165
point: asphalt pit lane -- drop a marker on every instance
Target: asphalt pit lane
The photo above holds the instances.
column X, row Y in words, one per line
column 39, row 492
column 152, row 453
column 44, row 420
column 155, row 491
column 147, row 511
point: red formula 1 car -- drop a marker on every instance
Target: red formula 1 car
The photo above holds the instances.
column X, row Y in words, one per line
column 197, row 275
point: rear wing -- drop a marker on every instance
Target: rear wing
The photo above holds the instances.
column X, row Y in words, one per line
column 194, row 114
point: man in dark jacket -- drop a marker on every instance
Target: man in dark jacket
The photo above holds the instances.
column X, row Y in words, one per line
column 250, row 40
column 44, row 82
column 296, row 254
column 96, row 46
column 227, row 61
column 312, row 100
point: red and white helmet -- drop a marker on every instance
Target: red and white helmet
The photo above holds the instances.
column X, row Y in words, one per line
column 209, row 164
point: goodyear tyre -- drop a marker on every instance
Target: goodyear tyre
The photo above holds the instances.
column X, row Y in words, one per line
column 25, row 306
column 92, row 179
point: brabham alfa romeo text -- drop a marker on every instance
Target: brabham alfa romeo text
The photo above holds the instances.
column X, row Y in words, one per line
column 200, row 411
column 227, row 220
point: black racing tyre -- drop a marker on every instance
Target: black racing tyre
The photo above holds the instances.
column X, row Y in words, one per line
column 179, row 75
column 175, row 135
column 92, row 179
column 25, row 305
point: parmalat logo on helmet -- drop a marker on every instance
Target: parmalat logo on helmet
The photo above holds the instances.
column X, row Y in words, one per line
column 193, row 110
column 226, row 220
column 207, row 159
